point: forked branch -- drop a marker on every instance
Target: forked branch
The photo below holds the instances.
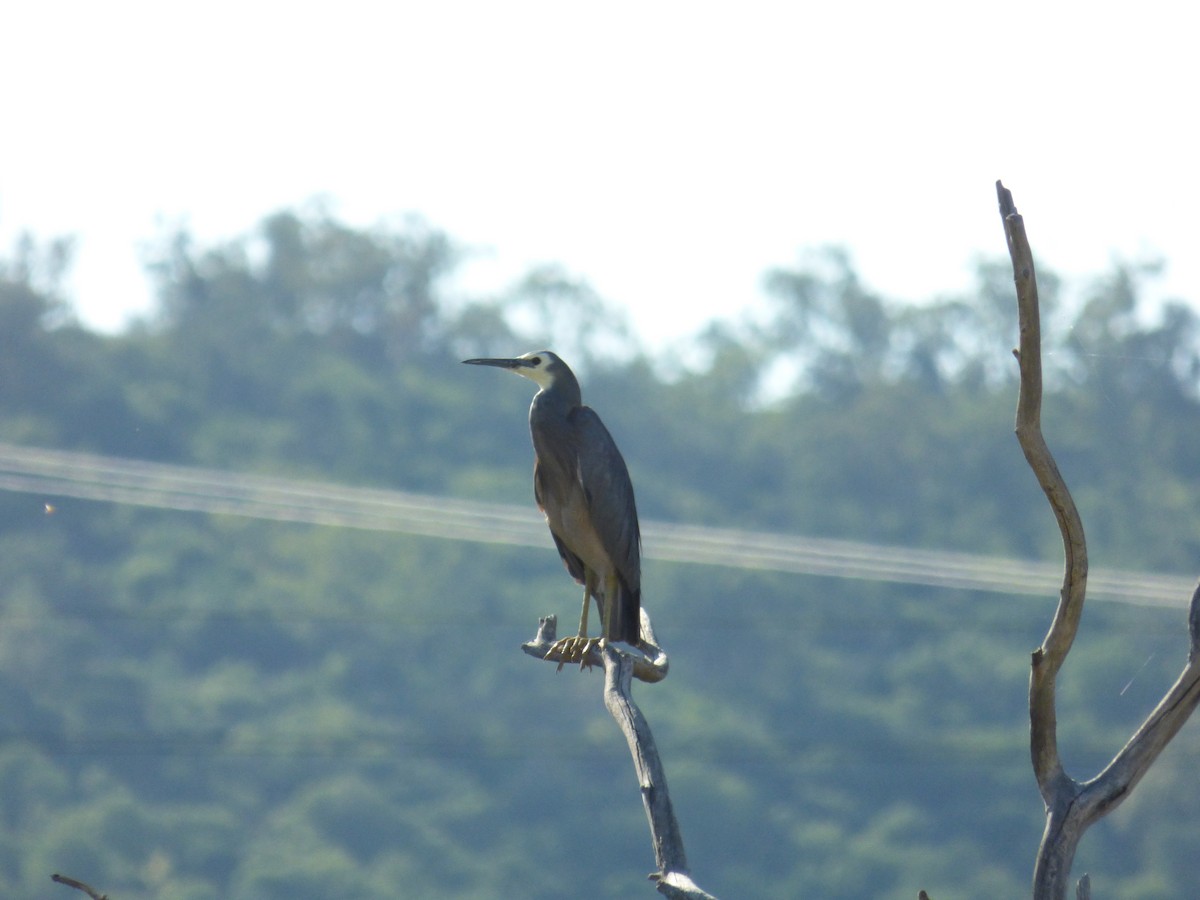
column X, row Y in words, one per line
column 673, row 878
column 650, row 665
column 1072, row 806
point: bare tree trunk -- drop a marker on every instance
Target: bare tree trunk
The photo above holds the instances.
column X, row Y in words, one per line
column 1072, row 806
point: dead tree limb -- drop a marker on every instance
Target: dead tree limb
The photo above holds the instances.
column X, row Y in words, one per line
column 673, row 878
column 79, row 886
column 650, row 663
column 1071, row 805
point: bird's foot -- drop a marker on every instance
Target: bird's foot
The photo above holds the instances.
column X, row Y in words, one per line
column 573, row 649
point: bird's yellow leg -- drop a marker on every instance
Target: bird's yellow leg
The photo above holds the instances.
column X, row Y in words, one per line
column 575, row 649
column 587, row 601
column 610, row 604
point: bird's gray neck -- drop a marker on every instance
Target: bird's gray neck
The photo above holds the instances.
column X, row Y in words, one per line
column 551, row 405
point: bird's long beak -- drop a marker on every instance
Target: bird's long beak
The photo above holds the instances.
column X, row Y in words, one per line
column 501, row 363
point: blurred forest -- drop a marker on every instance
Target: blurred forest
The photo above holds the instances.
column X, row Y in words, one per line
column 217, row 707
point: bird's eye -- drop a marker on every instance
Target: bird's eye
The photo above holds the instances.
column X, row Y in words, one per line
column 537, row 360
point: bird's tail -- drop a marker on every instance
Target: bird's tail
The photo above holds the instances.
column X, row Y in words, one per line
column 625, row 623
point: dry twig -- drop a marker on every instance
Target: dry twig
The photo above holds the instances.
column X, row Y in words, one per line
column 79, row 886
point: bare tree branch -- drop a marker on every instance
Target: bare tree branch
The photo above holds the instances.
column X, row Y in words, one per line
column 1049, row 657
column 650, row 664
column 673, row 876
column 621, row 665
column 1072, row 806
column 79, row 886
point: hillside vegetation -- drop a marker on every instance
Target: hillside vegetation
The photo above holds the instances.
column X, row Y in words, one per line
column 202, row 706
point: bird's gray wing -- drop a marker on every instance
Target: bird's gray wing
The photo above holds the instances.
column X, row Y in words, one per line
column 574, row 563
column 609, row 493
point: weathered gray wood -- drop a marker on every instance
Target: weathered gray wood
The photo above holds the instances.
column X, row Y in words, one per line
column 673, row 876
column 1072, row 806
column 79, row 886
column 650, row 662
column 1049, row 657
column 621, row 665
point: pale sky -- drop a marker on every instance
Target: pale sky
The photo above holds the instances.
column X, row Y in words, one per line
column 668, row 153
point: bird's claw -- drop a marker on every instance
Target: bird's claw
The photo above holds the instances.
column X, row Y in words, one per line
column 575, row 649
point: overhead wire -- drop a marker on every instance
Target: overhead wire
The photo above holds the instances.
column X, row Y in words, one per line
column 53, row 474
column 60, row 473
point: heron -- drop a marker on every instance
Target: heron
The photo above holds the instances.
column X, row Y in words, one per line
column 582, row 486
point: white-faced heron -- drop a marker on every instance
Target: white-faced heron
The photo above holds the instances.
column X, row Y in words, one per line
column 582, row 486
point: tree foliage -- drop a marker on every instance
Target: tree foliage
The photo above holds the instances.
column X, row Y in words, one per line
column 213, row 707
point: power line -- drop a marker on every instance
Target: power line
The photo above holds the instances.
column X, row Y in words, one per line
column 58, row 473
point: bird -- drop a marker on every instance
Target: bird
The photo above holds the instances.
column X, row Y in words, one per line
column 582, row 486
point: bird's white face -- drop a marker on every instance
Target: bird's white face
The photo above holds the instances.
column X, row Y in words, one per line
column 541, row 367
column 537, row 368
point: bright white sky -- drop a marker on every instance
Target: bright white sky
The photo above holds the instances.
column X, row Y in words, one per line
column 669, row 153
